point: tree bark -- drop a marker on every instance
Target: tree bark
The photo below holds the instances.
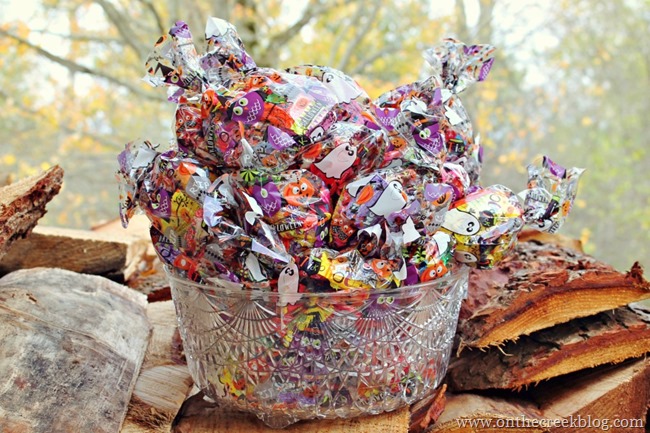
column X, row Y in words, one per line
column 609, row 337
column 22, row 204
column 538, row 286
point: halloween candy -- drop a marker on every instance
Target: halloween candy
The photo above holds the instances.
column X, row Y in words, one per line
column 331, row 233
column 550, row 194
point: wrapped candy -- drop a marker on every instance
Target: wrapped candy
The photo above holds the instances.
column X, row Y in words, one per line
column 550, row 194
column 411, row 202
column 295, row 178
column 484, row 225
column 426, row 120
column 296, row 204
column 486, row 222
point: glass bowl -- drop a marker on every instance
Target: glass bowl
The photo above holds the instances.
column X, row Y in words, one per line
column 287, row 358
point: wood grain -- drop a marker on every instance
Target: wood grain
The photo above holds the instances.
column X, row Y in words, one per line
column 114, row 256
column 615, row 392
column 164, row 381
column 22, row 204
column 201, row 416
column 72, row 346
column 538, row 286
column 608, row 337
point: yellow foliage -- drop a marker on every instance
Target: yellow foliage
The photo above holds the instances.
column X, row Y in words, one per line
column 597, row 90
column 489, row 93
column 585, row 235
column 488, row 143
column 513, row 118
column 9, row 159
column 604, row 55
column 586, row 121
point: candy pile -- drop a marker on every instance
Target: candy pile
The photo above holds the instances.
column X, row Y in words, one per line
column 296, row 181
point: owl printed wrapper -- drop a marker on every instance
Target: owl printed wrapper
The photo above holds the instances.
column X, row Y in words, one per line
column 426, row 121
column 295, row 203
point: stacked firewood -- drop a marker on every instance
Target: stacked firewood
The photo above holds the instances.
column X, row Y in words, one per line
column 550, row 338
column 551, row 334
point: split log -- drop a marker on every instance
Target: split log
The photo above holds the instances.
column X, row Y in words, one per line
column 538, row 286
column 138, row 227
column 427, row 411
column 149, row 278
column 619, row 393
column 22, row 204
column 608, row 337
column 84, row 251
column 164, row 381
column 72, row 346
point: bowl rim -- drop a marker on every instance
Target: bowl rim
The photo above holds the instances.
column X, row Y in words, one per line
column 460, row 271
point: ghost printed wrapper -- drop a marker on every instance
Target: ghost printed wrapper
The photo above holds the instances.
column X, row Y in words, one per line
column 550, row 194
column 410, row 203
column 484, row 225
column 486, row 222
column 347, row 149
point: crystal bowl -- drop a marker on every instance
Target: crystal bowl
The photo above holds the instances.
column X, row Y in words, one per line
column 287, row 358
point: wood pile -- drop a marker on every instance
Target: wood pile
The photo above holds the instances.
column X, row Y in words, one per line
column 550, row 334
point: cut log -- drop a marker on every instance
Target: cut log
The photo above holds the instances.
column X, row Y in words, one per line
column 609, row 337
column 72, row 346
column 150, row 277
column 164, row 381
column 620, row 392
column 581, row 402
column 201, row 416
column 530, row 235
column 22, row 204
column 427, row 411
column 138, row 228
column 478, row 413
column 84, row 251
column 538, row 286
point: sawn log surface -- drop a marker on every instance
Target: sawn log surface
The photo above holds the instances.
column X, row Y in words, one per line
column 72, row 346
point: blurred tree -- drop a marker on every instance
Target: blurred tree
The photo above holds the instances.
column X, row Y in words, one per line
column 599, row 82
